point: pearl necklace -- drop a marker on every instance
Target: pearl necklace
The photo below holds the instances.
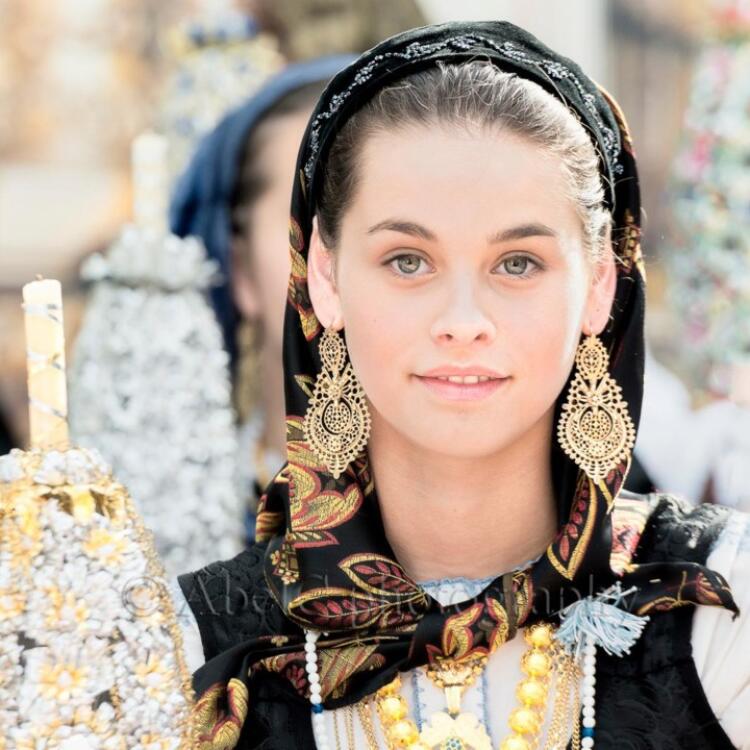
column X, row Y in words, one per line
column 524, row 722
column 588, row 693
column 311, row 667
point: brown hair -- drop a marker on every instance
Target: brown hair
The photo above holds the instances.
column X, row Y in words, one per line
column 476, row 93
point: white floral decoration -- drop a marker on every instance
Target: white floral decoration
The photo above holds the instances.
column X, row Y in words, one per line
column 90, row 652
column 149, row 387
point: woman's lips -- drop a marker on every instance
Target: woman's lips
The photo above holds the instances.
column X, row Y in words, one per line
column 462, row 387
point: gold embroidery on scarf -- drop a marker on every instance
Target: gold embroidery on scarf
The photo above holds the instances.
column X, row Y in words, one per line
column 629, row 245
column 523, row 588
column 666, row 603
column 337, row 665
column 326, row 510
column 458, row 639
column 286, row 566
column 306, row 384
column 500, row 633
column 312, row 510
column 268, row 525
column 581, row 545
column 219, row 729
column 606, row 494
column 629, row 518
column 298, row 294
column 334, row 606
column 379, row 575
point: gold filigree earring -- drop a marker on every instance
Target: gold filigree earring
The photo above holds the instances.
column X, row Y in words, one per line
column 595, row 429
column 337, row 421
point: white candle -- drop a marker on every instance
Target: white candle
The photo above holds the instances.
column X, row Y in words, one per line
column 45, row 360
column 150, row 182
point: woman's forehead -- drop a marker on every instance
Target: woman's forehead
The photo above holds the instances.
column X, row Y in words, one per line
column 451, row 172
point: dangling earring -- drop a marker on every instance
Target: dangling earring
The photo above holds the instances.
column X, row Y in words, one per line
column 595, row 429
column 337, row 421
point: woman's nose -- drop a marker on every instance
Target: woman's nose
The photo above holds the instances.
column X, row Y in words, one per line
column 463, row 320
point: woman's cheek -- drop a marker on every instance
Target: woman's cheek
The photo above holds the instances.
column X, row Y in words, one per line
column 377, row 344
column 545, row 340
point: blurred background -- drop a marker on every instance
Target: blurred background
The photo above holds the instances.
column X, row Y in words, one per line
column 79, row 79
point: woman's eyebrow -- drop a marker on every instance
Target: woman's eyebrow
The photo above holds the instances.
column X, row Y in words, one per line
column 405, row 227
column 520, row 232
column 534, row 229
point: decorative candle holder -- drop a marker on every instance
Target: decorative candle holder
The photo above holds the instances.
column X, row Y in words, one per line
column 90, row 650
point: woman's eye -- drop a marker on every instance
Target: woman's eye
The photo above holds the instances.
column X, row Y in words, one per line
column 519, row 265
column 408, row 265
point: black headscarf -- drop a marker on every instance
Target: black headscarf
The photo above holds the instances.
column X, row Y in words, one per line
column 329, row 565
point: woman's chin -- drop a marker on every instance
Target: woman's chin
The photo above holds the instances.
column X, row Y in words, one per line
column 462, row 444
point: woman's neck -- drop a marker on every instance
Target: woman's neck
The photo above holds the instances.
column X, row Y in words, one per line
column 449, row 517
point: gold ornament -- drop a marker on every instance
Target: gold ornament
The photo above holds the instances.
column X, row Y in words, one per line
column 364, row 709
column 595, row 429
column 453, row 677
column 544, row 662
column 337, row 422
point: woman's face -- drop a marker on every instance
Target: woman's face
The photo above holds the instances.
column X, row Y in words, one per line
column 460, row 257
column 261, row 254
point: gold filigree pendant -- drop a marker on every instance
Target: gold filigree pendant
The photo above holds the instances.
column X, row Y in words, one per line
column 337, row 421
column 595, row 429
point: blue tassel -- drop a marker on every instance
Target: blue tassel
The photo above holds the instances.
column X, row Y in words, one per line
column 600, row 618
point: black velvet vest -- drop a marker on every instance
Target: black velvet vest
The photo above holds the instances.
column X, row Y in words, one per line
column 649, row 700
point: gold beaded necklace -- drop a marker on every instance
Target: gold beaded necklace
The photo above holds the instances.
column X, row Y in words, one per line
column 543, row 663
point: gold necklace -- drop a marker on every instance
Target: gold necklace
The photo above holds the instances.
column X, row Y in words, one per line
column 365, row 716
column 336, row 734
column 363, row 710
column 350, row 726
column 542, row 662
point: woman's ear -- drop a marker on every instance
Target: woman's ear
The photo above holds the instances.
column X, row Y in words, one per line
column 601, row 294
column 321, row 282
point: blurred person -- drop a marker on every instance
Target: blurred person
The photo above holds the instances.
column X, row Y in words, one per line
column 465, row 209
column 235, row 197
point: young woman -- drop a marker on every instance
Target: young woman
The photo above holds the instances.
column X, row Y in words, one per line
column 448, row 558
column 234, row 196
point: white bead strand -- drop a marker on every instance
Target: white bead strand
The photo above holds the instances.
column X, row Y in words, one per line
column 316, row 701
column 588, row 695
